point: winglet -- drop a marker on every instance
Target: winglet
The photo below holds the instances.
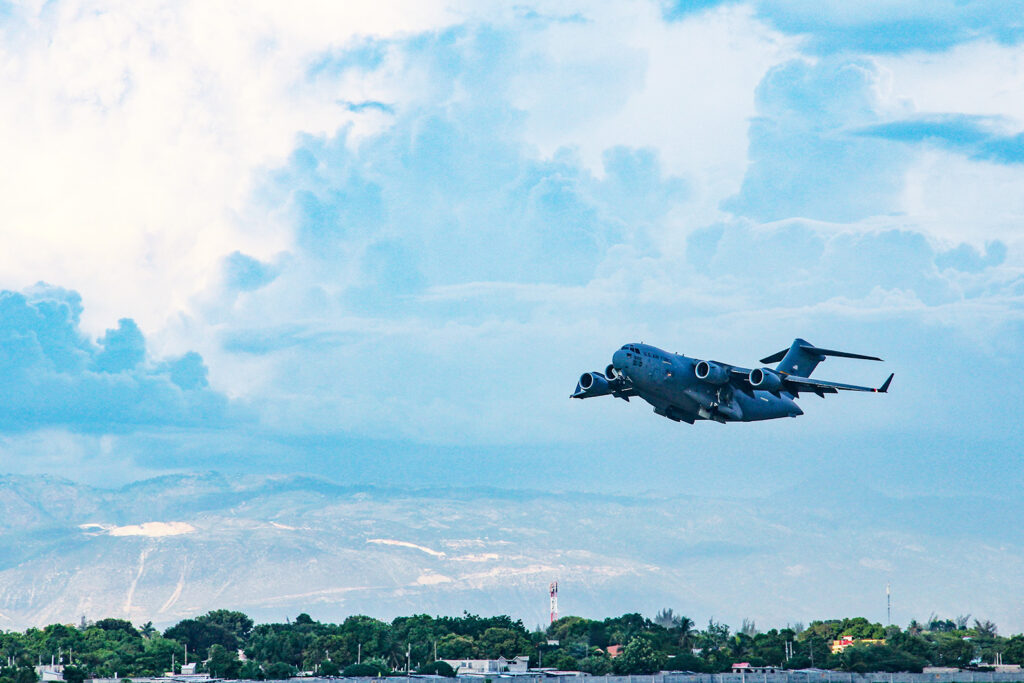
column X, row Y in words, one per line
column 884, row 389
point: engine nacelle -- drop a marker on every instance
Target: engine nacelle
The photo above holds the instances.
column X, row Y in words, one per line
column 593, row 384
column 765, row 380
column 610, row 372
column 712, row 373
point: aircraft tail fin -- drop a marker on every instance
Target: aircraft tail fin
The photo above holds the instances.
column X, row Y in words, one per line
column 801, row 358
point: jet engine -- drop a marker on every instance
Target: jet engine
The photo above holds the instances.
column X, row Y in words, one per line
column 712, row 373
column 765, row 380
column 594, row 384
column 610, row 372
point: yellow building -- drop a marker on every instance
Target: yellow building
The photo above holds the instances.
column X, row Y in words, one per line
column 846, row 641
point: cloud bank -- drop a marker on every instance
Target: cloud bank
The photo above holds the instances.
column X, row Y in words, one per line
column 400, row 235
column 54, row 375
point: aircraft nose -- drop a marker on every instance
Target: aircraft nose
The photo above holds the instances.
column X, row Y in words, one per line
column 619, row 359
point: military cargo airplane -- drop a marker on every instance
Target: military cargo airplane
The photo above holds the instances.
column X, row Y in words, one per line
column 686, row 389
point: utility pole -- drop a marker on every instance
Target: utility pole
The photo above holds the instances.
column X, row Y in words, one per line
column 359, row 656
column 408, row 658
column 888, row 606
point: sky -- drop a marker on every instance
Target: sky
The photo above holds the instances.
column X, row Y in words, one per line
column 379, row 242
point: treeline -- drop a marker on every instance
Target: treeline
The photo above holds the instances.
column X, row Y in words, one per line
column 227, row 644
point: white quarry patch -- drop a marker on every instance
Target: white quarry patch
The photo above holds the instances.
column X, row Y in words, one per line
column 153, row 529
column 478, row 557
column 405, row 544
column 431, row 579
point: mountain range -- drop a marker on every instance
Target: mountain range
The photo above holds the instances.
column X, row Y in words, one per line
column 171, row 547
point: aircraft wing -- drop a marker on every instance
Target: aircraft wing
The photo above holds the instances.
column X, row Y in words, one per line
column 821, row 387
column 740, row 378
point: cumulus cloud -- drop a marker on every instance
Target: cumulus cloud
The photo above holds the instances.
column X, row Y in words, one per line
column 132, row 142
column 408, row 237
column 55, row 376
column 805, row 160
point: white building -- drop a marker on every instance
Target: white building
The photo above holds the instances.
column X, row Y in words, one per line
column 469, row 667
column 48, row 674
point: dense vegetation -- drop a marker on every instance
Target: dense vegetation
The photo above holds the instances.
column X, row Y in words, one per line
column 366, row 646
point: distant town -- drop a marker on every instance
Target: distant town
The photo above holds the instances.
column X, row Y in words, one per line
column 225, row 644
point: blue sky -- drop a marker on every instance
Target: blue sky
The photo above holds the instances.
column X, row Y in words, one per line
column 381, row 245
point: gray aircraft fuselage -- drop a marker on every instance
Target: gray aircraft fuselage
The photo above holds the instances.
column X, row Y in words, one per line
column 686, row 389
column 668, row 381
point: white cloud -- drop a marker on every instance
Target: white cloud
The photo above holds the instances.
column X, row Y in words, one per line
column 131, row 134
column 956, row 199
column 981, row 78
column 684, row 88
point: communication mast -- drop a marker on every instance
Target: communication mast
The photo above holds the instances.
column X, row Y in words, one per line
column 554, row 601
column 888, row 605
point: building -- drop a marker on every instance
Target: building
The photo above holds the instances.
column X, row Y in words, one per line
column 846, row 641
column 746, row 668
column 48, row 674
column 614, row 651
column 480, row 667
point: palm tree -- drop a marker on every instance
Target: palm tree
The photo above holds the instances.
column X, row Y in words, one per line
column 985, row 628
column 666, row 618
column 687, row 633
column 147, row 630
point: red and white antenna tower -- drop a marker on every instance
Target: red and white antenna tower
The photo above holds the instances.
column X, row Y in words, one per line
column 554, row 601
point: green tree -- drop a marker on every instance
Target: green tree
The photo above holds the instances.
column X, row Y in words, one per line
column 72, row 674
column 329, row 668
column 685, row 661
column 686, row 631
column 563, row 662
column 1013, row 650
column 666, row 618
column 237, row 623
column 373, row 667
column 116, row 625
column 638, row 657
column 502, row 642
column 251, row 671
column 279, row 671
column 868, row 658
column 223, row 663
column 453, row 646
column 200, row 634
column 597, row 664
column 955, row 651
column 715, row 636
column 26, row 674
column 438, row 668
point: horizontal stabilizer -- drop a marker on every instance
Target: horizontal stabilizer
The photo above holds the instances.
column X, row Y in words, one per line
column 807, row 348
column 840, row 354
column 775, row 357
